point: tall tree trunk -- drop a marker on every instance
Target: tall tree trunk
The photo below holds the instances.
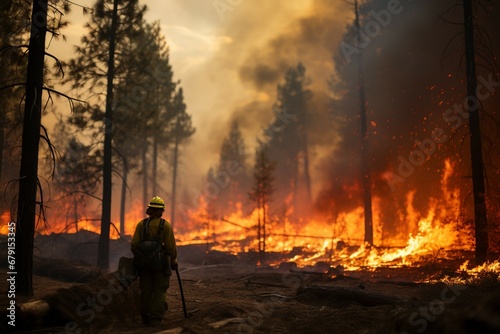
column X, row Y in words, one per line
column 481, row 223
column 145, row 198
column 264, row 227
column 2, row 141
column 155, row 164
column 123, row 197
column 296, row 186
column 4, row 40
column 365, row 169
column 75, row 213
column 307, row 175
column 25, row 227
column 174, row 174
column 259, row 229
column 103, row 247
column 305, row 162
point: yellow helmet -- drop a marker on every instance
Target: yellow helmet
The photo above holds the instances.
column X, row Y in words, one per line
column 157, row 203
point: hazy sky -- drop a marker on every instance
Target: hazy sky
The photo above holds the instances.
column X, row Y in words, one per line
column 229, row 56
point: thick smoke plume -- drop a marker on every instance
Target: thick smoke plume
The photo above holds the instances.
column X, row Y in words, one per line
column 414, row 74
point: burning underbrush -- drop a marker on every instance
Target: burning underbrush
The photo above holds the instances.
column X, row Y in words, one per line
column 440, row 238
column 233, row 297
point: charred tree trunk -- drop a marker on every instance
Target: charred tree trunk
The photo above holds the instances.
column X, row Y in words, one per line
column 481, row 223
column 296, row 178
column 307, row 175
column 2, row 141
column 344, row 294
column 264, row 227
column 123, row 198
column 25, row 227
column 103, row 247
column 145, row 198
column 155, row 164
column 259, row 236
column 75, row 213
column 174, row 173
column 4, row 40
column 365, row 169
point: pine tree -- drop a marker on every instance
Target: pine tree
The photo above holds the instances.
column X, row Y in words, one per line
column 364, row 150
column 12, row 72
column 142, row 103
column 232, row 171
column 181, row 131
column 41, row 23
column 261, row 193
column 479, row 193
column 288, row 143
column 101, row 58
column 77, row 175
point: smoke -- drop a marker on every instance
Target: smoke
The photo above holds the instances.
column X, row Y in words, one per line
column 231, row 61
column 261, row 40
column 413, row 71
column 414, row 76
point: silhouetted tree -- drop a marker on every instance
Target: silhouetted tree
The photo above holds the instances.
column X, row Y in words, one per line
column 365, row 169
column 101, row 58
column 163, row 118
column 288, row 143
column 78, row 174
column 143, row 97
column 12, row 73
column 28, row 172
column 480, row 218
column 182, row 130
column 262, row 191
column 232, row 171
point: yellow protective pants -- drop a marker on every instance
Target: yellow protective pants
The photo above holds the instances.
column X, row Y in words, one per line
column 154, row 286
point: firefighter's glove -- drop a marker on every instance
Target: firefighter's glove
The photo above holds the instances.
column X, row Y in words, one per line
column 174, row 266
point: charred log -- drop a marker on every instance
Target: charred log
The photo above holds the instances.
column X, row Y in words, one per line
column 349, row 294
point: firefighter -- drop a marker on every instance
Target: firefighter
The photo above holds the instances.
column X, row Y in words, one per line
column 154, row 281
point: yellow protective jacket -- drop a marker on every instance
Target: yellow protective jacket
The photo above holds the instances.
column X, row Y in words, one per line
column 167, row 237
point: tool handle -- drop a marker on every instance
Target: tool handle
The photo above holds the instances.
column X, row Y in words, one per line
column 182, row 292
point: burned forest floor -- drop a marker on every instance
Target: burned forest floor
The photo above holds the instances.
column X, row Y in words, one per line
column 234, row 296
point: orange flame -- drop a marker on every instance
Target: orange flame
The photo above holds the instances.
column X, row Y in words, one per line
column 319, row 239
column 5, row 218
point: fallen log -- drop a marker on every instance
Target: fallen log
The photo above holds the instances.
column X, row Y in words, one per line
column 32, row 312
column 308, row 272
column 321, row 270
column 343, row 294
column 247, row 283
column 224, row 322
column 66, row 271
column 275, row 295
column 85, row 305
column 402, row 283
column 176, row 330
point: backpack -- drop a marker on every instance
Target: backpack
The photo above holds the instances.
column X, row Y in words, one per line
column 149, row 255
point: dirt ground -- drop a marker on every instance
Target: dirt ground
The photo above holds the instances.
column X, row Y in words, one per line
column 236, row 298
